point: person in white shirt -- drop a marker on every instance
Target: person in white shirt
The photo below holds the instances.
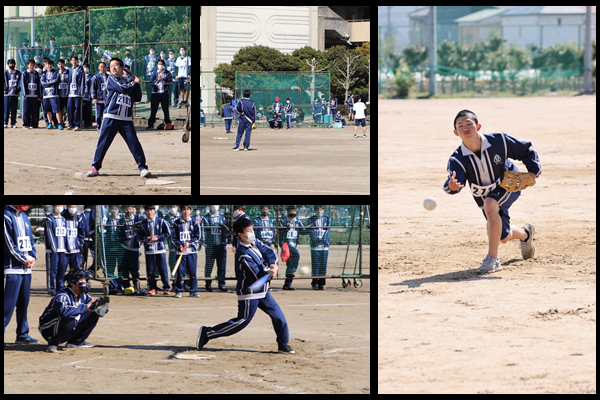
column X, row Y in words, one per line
column 360, row 112
column 182, row 63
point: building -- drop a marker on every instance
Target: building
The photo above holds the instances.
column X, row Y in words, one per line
column 224, row 30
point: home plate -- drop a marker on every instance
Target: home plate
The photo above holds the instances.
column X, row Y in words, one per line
column 155, row 182
column 190, row 356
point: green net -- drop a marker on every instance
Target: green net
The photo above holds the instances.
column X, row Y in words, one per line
column 309, row 94
column 140, row 36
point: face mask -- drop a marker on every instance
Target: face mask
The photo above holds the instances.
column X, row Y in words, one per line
column 83, row 288
column 319, row 214
column 151, row 52
column 161, row 67
column 291, row 216
column 251, row 237
column 182, row 52
column 214, row 209
column 59, row 209
column 72, row 211
column 11, row 66
column 288, row 102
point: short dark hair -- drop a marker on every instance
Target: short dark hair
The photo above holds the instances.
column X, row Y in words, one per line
column 117, row 60
column 462, row 113
column 247, row 93
column 241, row 224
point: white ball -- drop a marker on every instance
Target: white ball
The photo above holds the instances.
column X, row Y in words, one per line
column 304, row 271
column 429, row 204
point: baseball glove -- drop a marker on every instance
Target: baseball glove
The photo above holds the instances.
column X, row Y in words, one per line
column 100, row 307
column 515, row 181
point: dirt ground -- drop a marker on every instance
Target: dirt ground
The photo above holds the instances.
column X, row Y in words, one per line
column 135, row 342
column 40, row 161
column 530, row 328
column 299, row 161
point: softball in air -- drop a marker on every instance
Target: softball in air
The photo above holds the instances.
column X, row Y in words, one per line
column 429, row 204
column 304, row 271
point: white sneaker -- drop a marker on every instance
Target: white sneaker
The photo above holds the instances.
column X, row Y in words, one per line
column 527, row 247
column 490, row 264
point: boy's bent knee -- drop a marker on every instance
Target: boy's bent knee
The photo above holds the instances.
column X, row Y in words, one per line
column 491, row 207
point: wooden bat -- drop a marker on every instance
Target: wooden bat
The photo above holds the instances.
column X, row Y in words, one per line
column 177, row 265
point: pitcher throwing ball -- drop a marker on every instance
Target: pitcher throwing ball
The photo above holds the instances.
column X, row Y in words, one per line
column 483, row 159
column 118, row 117
column 255, row 260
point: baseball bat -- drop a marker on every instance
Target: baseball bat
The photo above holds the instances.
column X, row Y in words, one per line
column 259, row 282
column 177, row 265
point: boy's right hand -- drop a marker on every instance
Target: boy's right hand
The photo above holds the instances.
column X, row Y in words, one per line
column 454, row 185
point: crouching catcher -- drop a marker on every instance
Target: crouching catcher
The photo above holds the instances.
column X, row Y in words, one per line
column 72, row 314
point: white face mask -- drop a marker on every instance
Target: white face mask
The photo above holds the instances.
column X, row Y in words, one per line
column 72, row 211
column 182, row 52
column 59, row 209
column 251, row 237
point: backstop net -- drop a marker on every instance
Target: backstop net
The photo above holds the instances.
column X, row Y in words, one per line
column 140, row 36
column 57, row 37
column 309, row 94
column 334, row 244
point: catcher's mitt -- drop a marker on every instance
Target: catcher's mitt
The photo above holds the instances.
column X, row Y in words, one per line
column 100, row 307
column 515, row 181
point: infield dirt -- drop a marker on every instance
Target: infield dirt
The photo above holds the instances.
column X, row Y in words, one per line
column 530, row 328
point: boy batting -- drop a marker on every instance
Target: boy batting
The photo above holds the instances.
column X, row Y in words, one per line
column 484, row 160
column 118, row 117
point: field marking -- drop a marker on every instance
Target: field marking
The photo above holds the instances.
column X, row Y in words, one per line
column 103, row 171
column 130, row 187
column 236, row 307
column 282, row 190
column 352, row 348
column 37, row 166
